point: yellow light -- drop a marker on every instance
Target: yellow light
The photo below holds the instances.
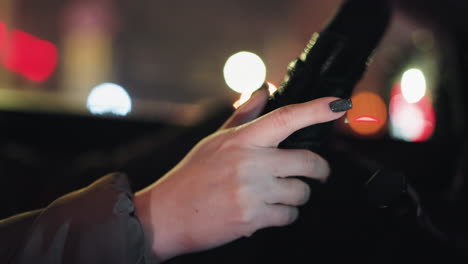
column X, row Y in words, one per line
column 244, row 72
column 413, row 85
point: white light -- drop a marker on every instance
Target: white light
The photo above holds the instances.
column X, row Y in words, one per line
column 272, row 88
column 244, row 72
column 109, row 98
column 408, row 123
column 413, row 85
column 242, row 100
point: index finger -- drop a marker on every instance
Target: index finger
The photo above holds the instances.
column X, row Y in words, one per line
column 272, row 128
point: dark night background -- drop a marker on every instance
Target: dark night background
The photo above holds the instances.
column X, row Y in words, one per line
column 170, row 54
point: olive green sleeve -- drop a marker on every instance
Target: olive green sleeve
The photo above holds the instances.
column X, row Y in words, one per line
column 96, row 224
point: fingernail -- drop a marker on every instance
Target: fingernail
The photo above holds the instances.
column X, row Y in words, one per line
column 244, row 104
column 341, row 105
column 264, row 86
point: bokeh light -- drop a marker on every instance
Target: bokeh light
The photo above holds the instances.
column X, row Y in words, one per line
column 368, row 115
column 246, row 96
column 411, row 122
column 413, row 85
column 244, row 72
column 3, row 38
column 109, row 98
column 272, row 88
column 242, row 99
column 27, row 55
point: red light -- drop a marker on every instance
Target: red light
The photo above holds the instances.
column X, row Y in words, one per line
column 30, row 56
column 412, row 122
column 3, row 38
column 26, row 54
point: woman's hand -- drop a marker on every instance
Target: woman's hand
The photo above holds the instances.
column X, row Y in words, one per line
column 235, row 181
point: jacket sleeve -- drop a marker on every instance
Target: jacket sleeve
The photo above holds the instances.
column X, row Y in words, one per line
column 96, row 224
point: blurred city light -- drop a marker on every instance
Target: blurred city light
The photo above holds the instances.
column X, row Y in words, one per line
column 27, row 55
column 407, row 122
column 244, row 72
column 272, row 88
column 368, row 115
column 3, row 39
column 87, row 45
column 411, row 122
column 246, row 96
column 243, row 98
column 109, row 98
column 413, row 85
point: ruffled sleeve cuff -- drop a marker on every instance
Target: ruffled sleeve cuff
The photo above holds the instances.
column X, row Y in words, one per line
column 96, row 224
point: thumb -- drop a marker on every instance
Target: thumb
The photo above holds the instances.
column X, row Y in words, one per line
column 250, row 110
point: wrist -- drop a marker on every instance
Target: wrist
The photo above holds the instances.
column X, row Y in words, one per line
column 156, row 233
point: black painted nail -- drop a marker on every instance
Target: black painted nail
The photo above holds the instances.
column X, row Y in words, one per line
column 341, row 105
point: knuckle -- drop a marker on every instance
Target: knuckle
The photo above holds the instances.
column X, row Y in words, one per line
column 247, row 222
column 241, row 164
column 236, row 169
column 282, row 217
column 245, row 215
column 288, row 216
column 235, row 161
column 293, row 215
column 249, row 233
column 305, row 194
column 318, row 166
column 312, row 158
column 309, row 161
column 302, row 192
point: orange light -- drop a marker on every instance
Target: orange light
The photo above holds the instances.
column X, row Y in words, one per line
column 246, row 96
column 272, row 88
column 368, row 115
column 243, row 98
